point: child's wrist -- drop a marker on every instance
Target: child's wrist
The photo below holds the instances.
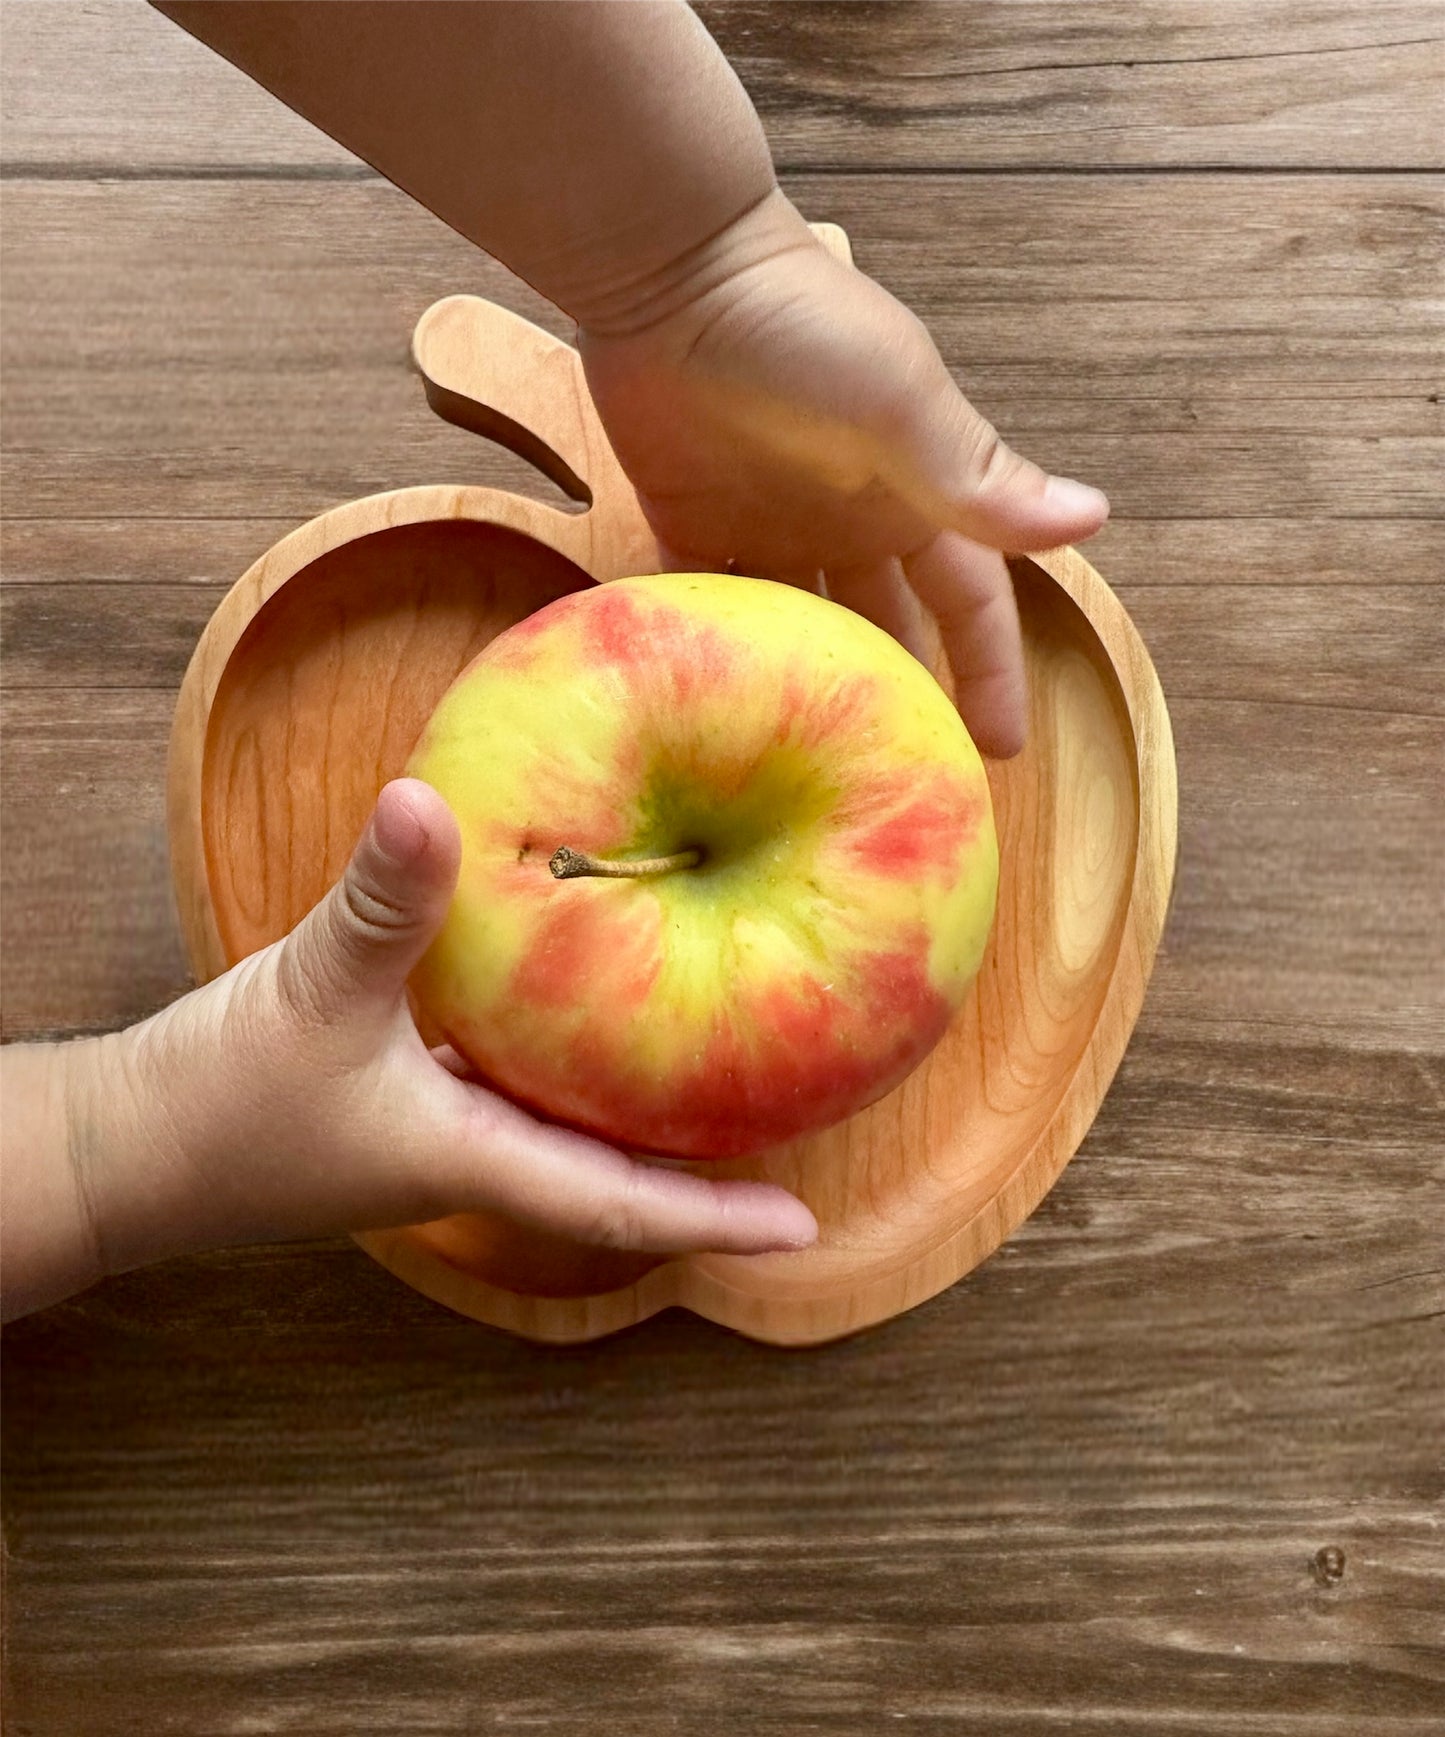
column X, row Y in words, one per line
column 132, row 1176
column 630, row 305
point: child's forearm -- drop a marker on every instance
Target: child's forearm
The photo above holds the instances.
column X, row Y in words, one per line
column 598, row 149
column 91, row 1181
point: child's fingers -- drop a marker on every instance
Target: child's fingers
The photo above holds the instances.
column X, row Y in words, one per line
column 968, row 590
column 880, row 590
column 1004, row 500
column 952, row 465
column 576, row 1186
column 370, row 930
column 455, row 1063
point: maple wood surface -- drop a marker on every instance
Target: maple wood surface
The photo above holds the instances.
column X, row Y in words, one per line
column 1170, row 1459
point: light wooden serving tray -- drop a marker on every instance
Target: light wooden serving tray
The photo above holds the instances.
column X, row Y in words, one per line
column 314, row 678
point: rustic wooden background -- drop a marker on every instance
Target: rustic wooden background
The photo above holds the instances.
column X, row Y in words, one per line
column 1172, row 1461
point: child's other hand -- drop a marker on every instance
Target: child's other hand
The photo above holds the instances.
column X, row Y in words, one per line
column 294, row 1097
column 779, row 410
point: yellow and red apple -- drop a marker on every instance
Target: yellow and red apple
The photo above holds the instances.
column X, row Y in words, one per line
column 729, row 863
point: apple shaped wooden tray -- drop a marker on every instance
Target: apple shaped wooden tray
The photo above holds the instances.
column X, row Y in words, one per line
column 313, row 680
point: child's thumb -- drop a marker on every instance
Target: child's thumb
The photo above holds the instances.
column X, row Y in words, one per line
column 964, row 477
column 371, row 929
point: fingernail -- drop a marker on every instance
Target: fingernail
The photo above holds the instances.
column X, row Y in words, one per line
column 397, row 832
column 803, row 1235
column 1076, row 499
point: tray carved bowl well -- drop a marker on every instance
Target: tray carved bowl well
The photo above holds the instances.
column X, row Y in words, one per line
column 316, row 674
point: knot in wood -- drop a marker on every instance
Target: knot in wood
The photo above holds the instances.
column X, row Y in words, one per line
column 1328, row 1566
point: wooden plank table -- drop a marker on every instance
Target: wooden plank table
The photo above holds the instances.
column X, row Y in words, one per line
column 1171, row 1461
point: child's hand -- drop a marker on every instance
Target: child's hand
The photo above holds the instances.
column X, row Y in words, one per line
column 777, row 409
column 294, row 1097
column 773, row 407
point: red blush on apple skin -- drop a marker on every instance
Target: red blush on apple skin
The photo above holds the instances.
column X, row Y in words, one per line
column 895, row 985
column 516, row 649
column 616, row 629
column 661, row 652
column 582, row 947
column 924, row 838
column 811, row 722
column 824, row 1061
column 737, row 1102
column 741, row 1102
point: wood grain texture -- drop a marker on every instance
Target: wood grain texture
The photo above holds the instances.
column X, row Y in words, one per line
column 174, row 555
column 1089, row 1488
column 1114, row 1455
column 1112, row 328
column 940, row 84
column 944, row 85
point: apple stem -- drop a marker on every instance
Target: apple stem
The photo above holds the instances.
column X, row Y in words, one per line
column 567, row 863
